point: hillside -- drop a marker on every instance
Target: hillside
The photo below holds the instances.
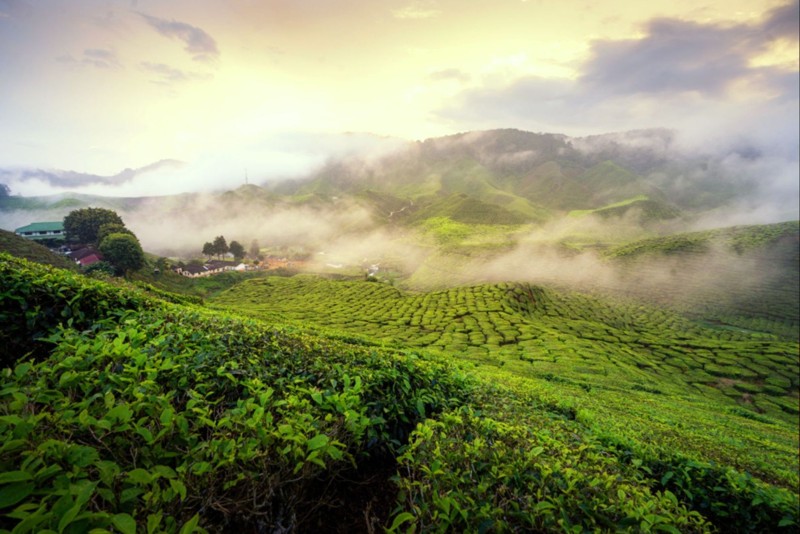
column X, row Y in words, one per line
column 744, row 277
column 15, row 245
column 642, row 433
column 608, row 190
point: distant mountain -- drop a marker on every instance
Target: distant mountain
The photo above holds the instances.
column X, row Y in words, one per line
column 535, row 176
column 495, row 177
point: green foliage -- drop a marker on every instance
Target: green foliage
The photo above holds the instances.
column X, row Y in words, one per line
column 100, row 269
column 610, row 351
column 122, row 411
column 111, row 228
column 15, row 245
column 123, row 251
column 83, row 225
column 166, row 418
column 737, row 239
column 220, row 246
column 237, row 250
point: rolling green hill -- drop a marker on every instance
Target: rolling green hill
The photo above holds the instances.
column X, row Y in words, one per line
column 740, row 277
column 15, row 245
column 123, row 411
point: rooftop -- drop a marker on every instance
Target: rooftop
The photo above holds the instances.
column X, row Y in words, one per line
column 41, row 227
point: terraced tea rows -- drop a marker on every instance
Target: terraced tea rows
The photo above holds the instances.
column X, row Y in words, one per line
column 545, row 333
column 120, row 411
column 743, row 277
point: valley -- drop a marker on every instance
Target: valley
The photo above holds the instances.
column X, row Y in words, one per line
column 490, row 332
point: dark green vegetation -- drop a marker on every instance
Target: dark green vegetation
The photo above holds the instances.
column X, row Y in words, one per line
column 84, row 225
column 121, row 410
column 600, row 371
column 15, row 245
column 132, row 413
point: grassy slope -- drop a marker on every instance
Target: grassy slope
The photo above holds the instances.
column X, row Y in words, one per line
column 614, row 352
column 25, row 248
column 254, row 409
column 744, row 276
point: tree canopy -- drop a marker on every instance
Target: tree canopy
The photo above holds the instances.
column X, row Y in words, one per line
column 220, row 246
column 123, row 251
column 83, row 225
column 237, row 250
column 111, row 228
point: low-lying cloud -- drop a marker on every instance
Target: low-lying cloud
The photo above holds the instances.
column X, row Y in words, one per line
column 199, row 44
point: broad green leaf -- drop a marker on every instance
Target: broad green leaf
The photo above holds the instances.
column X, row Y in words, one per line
column 167, row 414
column 400, row 519
column 82, row 456
column 191, row 525
column 14, row 476
column 140, row 476
column 178, row 487
column 121, row 413
column 317, row 442
column 164, row 471
column 11, row 494
column 125, row 523
column 153, row 521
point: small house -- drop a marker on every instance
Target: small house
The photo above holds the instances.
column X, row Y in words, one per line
column 43, row 231
column 86, row 256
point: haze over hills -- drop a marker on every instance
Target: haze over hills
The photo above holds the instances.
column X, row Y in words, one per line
column 524, row 176
column 464, row 207
column 531, row 307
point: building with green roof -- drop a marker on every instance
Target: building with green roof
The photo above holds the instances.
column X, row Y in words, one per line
column 50, row 232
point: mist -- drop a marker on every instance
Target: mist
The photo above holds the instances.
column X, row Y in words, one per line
column 263, row 159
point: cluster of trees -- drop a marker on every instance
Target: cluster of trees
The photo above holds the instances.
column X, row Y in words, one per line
column 219, row 247
column 104, row 229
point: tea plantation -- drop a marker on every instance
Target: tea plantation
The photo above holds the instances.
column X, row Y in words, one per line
column 491, row 408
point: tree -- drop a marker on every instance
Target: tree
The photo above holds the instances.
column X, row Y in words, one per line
column 208, row 249
column 237, row 250
column 81, row 226
column 220, row 246
column 111, row 228
column 4, row 190
column 123, row 251
column 255, row 250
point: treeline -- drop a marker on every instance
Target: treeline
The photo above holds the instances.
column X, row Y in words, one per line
column 219, row 247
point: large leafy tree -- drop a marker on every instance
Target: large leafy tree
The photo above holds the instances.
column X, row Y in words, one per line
column 208, row 249
column 220, row 246
column 237, row 250
column 83, row 225
column 123, row 251
column 111, row 228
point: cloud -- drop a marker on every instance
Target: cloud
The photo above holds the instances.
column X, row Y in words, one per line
column 72, row 179
column 198, row 43
column 168, row 75
column 417, row 10
column 783, row 22
column 457, row 75
column 679, row 74
column 93, row 57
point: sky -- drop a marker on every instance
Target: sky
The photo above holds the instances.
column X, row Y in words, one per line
column 144, row 97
